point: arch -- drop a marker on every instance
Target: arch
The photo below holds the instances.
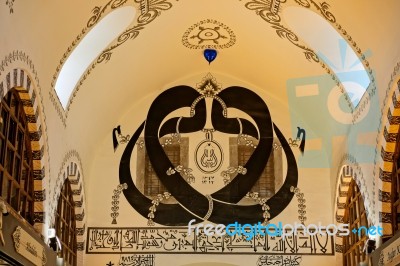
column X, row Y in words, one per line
column 388, row 137
column 346, row 175
column 333, row 49
column 89, row 48
column 271, row 13
column 65, row 225
column 71, row 168
column 21, row 81
column 149, row 11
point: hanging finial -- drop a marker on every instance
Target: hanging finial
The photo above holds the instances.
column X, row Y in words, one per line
column 210, row 55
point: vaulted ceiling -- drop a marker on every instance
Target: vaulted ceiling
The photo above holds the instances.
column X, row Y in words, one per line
column 163, row 47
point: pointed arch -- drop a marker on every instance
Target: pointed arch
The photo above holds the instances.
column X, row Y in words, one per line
column 20, row 80
column 345, row 178
column 348, row 183
column 388, row 138
column 71, row 169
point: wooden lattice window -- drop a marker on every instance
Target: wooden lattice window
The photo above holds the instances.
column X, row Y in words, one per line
column 265, row 185
column 356, row 217
column 152, row 184
column 16, row 168
column 66, row 224
column 395, row 190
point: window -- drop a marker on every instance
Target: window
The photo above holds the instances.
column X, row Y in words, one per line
column 16, row 168
column 356, row 217
column 271, row 178
column 152, row 184
column 66, row 224
column 265, row 185
column 147, row 180
column 95, row 41
column 396, row 190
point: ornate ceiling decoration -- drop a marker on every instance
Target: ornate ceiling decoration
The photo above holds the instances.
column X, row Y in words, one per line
column 269, row 11
column 149, row 11
column 208, row 33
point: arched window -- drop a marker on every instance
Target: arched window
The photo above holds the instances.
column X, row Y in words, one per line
column 90, row 47
column 356, row 217
column 66, row 224
column 395, row 190
column 16, row 168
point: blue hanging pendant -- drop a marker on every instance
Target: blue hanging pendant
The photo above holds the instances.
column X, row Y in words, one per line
column 210, row 55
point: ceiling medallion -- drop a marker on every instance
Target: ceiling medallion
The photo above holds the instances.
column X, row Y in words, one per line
column 208, row 33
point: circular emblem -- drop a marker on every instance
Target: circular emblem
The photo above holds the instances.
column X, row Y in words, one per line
column 208, row 156
column 208, row 33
